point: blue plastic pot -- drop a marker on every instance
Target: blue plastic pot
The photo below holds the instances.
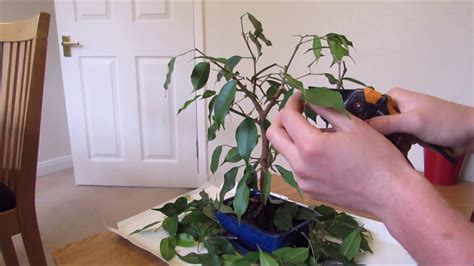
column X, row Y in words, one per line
column 250, row 237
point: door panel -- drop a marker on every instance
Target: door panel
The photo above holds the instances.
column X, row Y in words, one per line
column 123, row 128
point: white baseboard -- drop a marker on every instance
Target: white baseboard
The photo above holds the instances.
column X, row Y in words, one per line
column 53, row 165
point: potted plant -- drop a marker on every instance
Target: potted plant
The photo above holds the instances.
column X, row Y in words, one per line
column 295, row 234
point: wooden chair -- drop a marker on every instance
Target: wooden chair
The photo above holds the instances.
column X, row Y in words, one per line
column 22, row 57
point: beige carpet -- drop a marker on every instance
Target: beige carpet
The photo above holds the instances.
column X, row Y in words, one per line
column 67, row 212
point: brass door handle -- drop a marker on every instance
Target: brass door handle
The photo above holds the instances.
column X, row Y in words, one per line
column 67, row 45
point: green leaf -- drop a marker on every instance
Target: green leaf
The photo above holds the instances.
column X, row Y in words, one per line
column 233, row 61
column 229, row 182
column 337, row 48
column 284, row 215
column 289, row 178
column 325, row 212
column 200, row 75
column 191, row 258
column 228, row 259
column 331, row 78
column 188, row 229
column 196, row 217
column 355, row 81
column 208, row 94
column 219, row 246
column 145, row 227
column 266, row 259
column 292, row 255
column 170, row 72
column 185, row 240
column 211, row 131
column 305, row 214
column 232, row 156
column 168, row 248
column 351, row 244
column 272, row 90
column 210, row 260
column 224, row 100
column 187, row 103
column 246, row 136
column 172, row 209
column 214, row 59
column 223, row 208
column 256, row 24
column 241, row 199
column 294, row 83
column 324, row 97
column 211, row 108
column 254, row 39
column 343, row 225
column 286, row 95
column 317, row 47
column 310, row 113
column 264, row 39
column 283, row 219
column 216, row 155
column 267, row 180
column 170, row 225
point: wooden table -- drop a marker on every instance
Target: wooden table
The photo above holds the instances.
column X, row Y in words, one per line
column 108, row 248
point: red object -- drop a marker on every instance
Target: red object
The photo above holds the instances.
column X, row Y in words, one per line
column 440, row 171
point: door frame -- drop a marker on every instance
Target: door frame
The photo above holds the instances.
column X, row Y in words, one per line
column 201, row 110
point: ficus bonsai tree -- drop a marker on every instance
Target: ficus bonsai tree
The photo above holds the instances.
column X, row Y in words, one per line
column 265, row 89
column 332, row 235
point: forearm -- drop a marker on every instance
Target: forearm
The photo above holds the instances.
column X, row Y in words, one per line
column 427, row 227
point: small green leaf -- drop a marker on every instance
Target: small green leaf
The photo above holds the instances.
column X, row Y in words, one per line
column 305, row 214
column 246, row 137
column 210, row 108
column 282, row 219
column 266, row 259
column 355, row 81
column 331, row 78
column 145, row 227
column 208, row 94
column 223, row 208
column 317, row 47
column 232, row 156
column 211, row 131
column 256, row 24
column 289, row 178
column 294, row 83
column 196, row 217
column 264, row 39
column 185, row 240
column 168, row 248
column 229, row 182
column 233, row 61
column 191, row 258
column 170, row 72
column 210, row 260
column 219, row 246
column 172, row 209
column 200, row 75
column 286, row 95
column 228, row 259
column 351, row 244
column 170, row 225
column 241, row 199
column 187, row 103
column 272, row 89
column 292, row 255
column 216, row 155
column 324, row 97
column 254, row 39
column 224, row 100
column 337, row 48
column 268, row 184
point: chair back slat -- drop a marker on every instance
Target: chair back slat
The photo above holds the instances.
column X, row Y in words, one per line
column 22, row 54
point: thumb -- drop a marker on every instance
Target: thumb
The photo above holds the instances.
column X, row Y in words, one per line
column 397, row 123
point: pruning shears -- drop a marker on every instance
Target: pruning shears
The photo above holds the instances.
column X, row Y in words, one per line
column 367, row 103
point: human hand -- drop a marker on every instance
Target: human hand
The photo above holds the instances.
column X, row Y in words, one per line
column 354, row 166
column 430, row 119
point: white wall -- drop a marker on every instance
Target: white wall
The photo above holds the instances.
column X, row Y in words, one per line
column 54, row 148
column 426, row 47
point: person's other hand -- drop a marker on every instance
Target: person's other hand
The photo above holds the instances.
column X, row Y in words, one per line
column 430, row 119
column 354, row 166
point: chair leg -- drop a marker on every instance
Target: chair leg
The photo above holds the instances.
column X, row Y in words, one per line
column 31, row 236
column 8, row 251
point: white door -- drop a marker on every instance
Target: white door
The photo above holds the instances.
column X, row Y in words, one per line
column 123, row 129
